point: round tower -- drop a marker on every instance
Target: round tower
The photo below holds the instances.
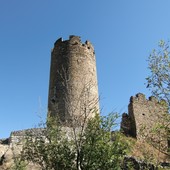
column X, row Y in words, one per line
column 73, row 90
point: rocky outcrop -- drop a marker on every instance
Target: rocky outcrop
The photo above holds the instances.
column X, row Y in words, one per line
column 130, row 162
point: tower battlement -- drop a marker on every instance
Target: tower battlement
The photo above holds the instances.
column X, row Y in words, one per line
column 151, row 101
column 75, row 41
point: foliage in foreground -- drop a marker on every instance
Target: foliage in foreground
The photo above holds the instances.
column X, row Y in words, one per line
column 159, row 66
column 97, row 148
column 159, row 83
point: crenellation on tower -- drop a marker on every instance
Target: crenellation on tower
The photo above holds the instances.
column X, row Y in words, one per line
column 58, row 41
column 75, row 41
column 139, row 97
column 153, row 99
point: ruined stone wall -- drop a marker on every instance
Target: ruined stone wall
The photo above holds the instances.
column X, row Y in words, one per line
column 73, row 89
column 17, row 137
column 11, row 148
column 144, row 115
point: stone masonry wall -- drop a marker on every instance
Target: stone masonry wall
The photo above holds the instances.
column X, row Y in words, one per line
column 73, row 89
column 12, row 146
column 143, row 115
column 17, row 137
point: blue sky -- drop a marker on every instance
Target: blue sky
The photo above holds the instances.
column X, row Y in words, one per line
column 123, row 33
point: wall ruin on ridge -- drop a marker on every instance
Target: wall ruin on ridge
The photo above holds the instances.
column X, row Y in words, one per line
column 144, row 115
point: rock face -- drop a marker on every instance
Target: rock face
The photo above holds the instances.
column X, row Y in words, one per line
column 73, row 90
column 143, row 115
column 132, row 163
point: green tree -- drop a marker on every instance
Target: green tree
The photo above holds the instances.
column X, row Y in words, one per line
column 158, row 83
column 98, row 147
column 18, row 164
column 102, row 149
column 159, row 66
column 50, row 148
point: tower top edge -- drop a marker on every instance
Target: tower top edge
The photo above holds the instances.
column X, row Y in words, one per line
column 74, row 40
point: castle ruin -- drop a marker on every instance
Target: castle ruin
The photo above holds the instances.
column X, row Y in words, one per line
column 145, row 115
column 73, row 94
column 73, row 90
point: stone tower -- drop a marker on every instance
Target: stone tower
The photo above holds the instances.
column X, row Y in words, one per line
column 73, row 90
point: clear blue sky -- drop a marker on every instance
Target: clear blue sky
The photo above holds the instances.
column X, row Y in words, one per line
column 123, row 33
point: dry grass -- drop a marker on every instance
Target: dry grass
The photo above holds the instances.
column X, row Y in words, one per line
column 145, row 152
